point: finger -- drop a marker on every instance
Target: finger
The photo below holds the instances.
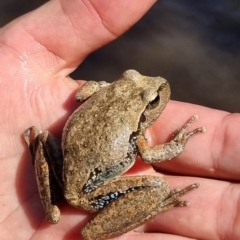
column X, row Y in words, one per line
column 56, row 37
column 213, row 212
column 135, row 235
column 212, row 154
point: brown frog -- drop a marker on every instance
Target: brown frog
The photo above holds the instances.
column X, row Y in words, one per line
column 100, row 142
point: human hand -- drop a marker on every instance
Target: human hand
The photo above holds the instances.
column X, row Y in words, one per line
column 211, row 159
column 38, row 51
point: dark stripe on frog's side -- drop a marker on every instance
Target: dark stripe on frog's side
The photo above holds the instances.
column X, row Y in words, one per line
column 99, row 177
column 103, row 200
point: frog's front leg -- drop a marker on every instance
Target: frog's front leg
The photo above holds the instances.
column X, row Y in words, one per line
column 130, row 202
column 47, row 162
column 170, row 149
column 88, row 89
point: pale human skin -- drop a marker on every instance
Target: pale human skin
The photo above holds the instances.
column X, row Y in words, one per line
column 35, row 59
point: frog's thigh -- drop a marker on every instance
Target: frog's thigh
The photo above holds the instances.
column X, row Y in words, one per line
column 129, row 210
column 112, row 190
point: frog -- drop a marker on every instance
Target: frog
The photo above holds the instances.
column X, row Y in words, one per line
column 100, row 142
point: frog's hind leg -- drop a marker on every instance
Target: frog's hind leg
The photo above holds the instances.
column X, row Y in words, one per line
column 41, row 144
column 134, row 208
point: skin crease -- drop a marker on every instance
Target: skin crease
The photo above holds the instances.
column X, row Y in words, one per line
column 34, row 90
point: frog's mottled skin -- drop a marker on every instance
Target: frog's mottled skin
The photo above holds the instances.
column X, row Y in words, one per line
column 101, row 141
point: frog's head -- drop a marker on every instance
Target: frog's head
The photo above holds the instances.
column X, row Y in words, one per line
column 155, row 94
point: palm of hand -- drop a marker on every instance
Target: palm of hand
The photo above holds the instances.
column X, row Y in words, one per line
column 34, row 89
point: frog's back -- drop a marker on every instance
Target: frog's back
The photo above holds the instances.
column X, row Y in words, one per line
column 99, row 130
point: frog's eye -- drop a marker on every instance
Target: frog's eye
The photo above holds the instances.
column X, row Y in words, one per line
column 150, row 96
column 153, row 99
column 154, row 103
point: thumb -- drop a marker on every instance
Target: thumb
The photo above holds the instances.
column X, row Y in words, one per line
column 60, row 34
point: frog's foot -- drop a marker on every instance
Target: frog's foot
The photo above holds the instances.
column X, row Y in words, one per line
column 88, row 89
column 173, row 198
column 178, row 192
column 170, row 149
column 29, row 137
column 181, row 137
